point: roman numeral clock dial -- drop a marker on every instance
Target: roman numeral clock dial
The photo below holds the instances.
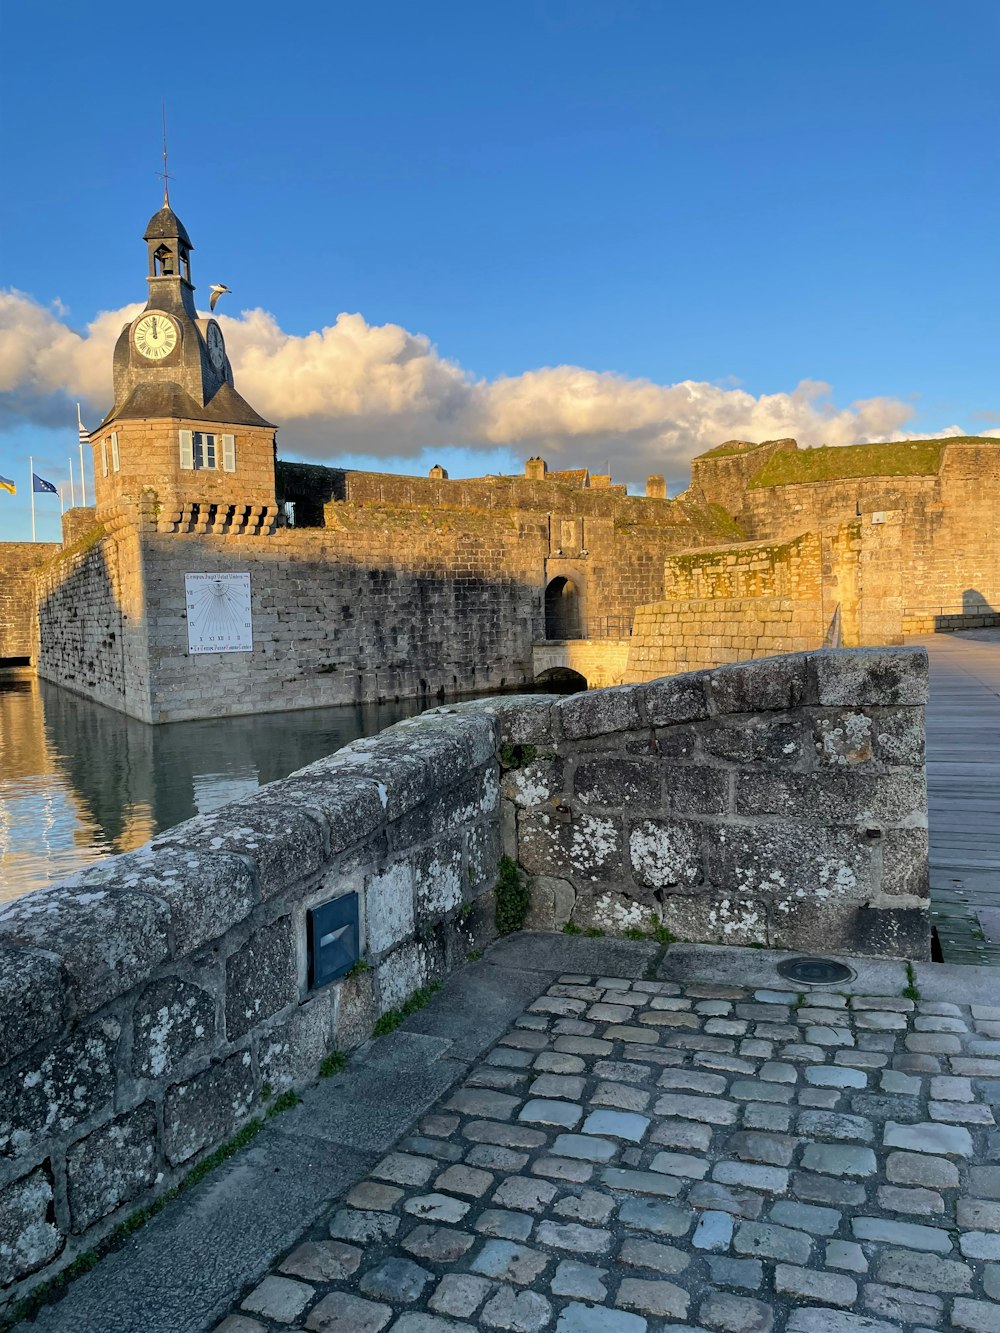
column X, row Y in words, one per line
column 155, row 336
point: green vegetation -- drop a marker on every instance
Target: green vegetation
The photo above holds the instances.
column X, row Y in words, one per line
column 517, row 756
column 513, row 897
column 42, row 1295
column 731, row 449
column 725, row 522
column 911, row 991
column 283, row 1103
column 334, row 1063
column 907, row 458
column 571, row 928
column 474, row 955
column 359, row 967
column 391, row 1020
column 593, row 932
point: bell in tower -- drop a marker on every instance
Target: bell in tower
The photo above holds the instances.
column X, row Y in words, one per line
column 169, row 274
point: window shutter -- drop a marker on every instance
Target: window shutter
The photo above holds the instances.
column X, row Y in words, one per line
column 187, row 450
column 229, row 453
column 104, row 458
column 115, row 459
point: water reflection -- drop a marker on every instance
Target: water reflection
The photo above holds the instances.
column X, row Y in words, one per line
column 79, row 781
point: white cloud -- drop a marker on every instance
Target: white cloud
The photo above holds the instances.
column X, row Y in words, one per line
column 381, row 391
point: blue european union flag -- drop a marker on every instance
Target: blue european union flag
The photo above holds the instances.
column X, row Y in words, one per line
column 40, row 484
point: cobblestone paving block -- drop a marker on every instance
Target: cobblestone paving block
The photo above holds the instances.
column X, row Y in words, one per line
column 633, row 1155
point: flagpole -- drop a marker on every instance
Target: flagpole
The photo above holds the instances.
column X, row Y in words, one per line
column 62, row 507
column 31, row 484
column 83, row 474
column 72, row 488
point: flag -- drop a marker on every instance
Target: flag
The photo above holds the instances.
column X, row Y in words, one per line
column 7, row 485
column 41, row 485
column 81, row 428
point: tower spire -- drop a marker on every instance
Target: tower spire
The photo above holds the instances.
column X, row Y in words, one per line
column 164, row 173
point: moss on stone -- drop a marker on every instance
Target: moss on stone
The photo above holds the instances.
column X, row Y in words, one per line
column 905, row 458
column 513, row 897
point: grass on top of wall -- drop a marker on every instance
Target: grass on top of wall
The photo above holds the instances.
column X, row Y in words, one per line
column 905, row 458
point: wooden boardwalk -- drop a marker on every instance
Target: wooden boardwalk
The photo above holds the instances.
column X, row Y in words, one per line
column 963, row 787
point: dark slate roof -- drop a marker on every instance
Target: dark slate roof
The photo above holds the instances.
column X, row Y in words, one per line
column 166, row 226
column 170, row 400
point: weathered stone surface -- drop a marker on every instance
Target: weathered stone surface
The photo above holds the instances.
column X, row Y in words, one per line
column 283, row 840
column 343, row 1312
column 735, row 1314
column 279, row 1298
column 879, row 676
column 73, row 1082
column 357, row 1010
column 676, row 699
column 389, row 906
column 107, row 936
column 28, row 1239
column 584, row 848
column 32, row 997
column 771, row 684
column 598, row 712
column 172, row 1021
column 666, row 853
column 206, row 1109
column 111, row 1166
column 323, row 1261
column 395, row 1279
column 261, row 977
column 292, row 1051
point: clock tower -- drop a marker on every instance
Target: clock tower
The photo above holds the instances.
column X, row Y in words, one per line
column 180, row 442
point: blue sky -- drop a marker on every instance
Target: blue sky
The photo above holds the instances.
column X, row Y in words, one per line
column 742, row 196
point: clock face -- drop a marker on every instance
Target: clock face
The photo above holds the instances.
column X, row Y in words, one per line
column 155, row 336
column 216, row 347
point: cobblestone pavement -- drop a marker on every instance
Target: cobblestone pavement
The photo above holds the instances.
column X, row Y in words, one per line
column 632, row 1156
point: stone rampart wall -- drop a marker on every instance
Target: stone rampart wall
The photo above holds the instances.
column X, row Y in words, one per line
column 670, row 636
column 158, row 1002
column 949, row 523
column 91, row 628
column 18, row 560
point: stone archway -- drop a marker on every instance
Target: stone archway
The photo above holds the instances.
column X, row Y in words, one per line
column 562, row 610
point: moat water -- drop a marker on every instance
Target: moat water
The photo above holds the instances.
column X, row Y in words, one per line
column 79, row 782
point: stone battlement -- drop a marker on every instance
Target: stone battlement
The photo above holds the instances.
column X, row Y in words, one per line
column 158, row 1001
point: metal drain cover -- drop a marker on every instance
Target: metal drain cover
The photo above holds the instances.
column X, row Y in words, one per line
column 815, row 971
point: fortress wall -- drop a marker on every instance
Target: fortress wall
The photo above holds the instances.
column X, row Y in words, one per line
column 164, row 998
column 949, row 525
column 381, row 603
column 18, row 560
column 669, row 636
column 92, row 618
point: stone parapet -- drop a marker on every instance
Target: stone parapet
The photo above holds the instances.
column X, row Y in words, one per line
column 158, row 1001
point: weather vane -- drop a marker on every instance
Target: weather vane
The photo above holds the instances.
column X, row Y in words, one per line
column 167, row 178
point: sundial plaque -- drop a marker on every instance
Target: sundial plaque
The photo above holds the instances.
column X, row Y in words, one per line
column 218, row 613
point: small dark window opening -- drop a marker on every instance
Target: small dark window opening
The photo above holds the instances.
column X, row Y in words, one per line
column 562, row 610
column 164, row 262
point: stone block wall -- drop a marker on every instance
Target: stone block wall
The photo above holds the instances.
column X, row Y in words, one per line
column 670, row 636
column 158, row 1001
column 780, row 802
column 18, row 561
column 91, row 623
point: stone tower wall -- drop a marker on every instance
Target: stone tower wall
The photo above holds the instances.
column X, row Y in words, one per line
column 18, row 561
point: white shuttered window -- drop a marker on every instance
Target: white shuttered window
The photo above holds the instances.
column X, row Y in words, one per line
column 104, row 458
column 229, row 453
column 187, row 450
column 115, row 459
